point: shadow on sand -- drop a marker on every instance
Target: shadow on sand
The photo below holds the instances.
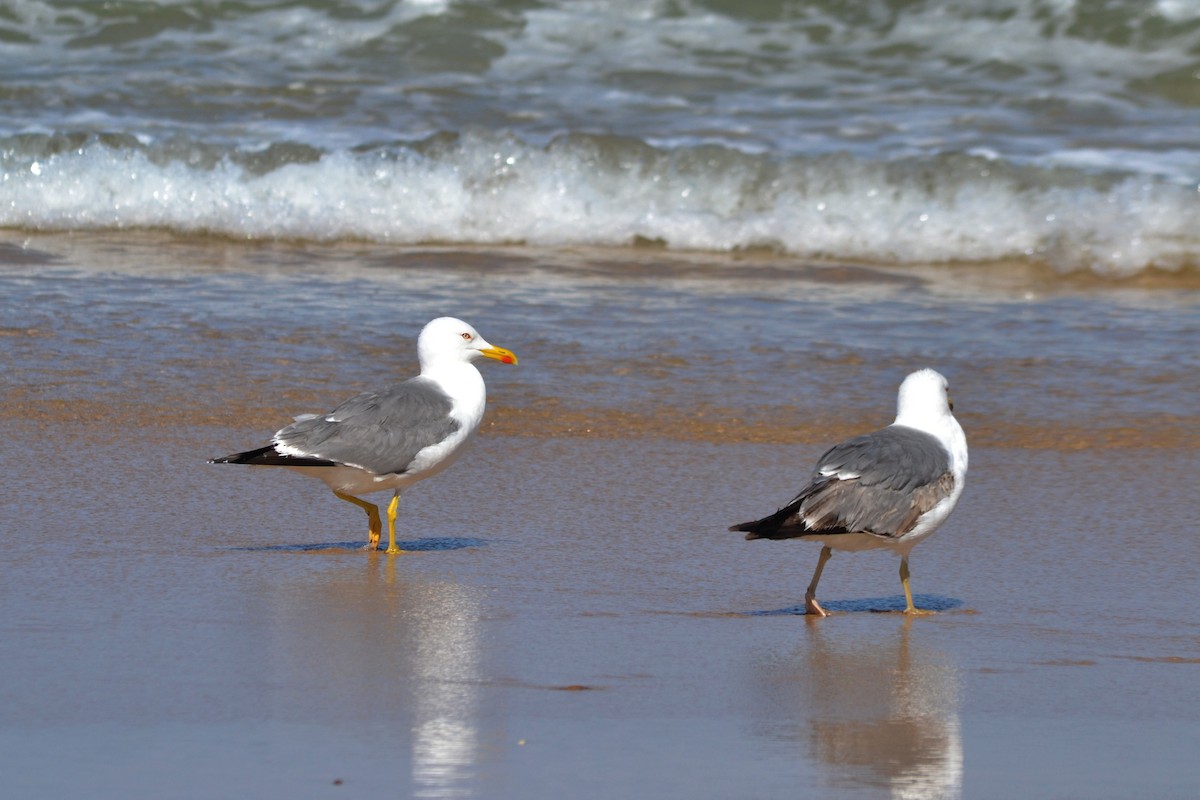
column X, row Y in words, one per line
column 878, row 605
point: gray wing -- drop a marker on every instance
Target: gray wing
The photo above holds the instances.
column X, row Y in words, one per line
column 901, row 474
column 889, row 479
column 381, row 432
column 897, row 458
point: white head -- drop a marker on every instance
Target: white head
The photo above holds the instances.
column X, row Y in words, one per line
column 924, row 401
column 925, row 404
column 450, row 340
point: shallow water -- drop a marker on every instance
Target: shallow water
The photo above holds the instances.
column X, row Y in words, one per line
column 575, row 619
column 707, row 346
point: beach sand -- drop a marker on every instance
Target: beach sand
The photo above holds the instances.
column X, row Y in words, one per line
column 574, row 619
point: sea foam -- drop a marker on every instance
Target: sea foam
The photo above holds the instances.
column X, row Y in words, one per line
column 485, row 188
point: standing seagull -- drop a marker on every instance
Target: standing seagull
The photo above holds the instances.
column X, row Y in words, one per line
column 395, row 437
column 891, row 488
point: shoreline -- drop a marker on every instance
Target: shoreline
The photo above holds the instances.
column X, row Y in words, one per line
column 142, row 330
column 140, row 252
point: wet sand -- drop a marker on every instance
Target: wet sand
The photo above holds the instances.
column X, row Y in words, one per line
column 574, row 620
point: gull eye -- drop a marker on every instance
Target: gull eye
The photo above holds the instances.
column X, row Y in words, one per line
column 466, row 336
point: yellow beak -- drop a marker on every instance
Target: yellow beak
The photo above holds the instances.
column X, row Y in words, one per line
column 500, row 354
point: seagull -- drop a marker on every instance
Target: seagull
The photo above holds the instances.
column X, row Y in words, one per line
column 395, row 437
column 888, row 489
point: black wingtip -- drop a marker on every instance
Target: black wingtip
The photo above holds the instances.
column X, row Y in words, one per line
column 269, row 457
column 753, row 530
column 249, row 457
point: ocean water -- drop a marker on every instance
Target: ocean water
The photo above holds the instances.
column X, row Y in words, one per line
column 888, row 131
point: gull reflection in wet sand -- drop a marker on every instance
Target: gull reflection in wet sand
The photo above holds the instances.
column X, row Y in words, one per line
column 874, row 712
column 397, row 651
column 447, row 661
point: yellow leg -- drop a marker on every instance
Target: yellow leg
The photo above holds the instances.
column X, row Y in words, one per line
column 374, row 525
column 393, row 548
column 909, row 608
column 810, row 597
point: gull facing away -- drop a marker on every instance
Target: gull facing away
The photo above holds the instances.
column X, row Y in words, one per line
column 395, row 437
column 891, row 488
